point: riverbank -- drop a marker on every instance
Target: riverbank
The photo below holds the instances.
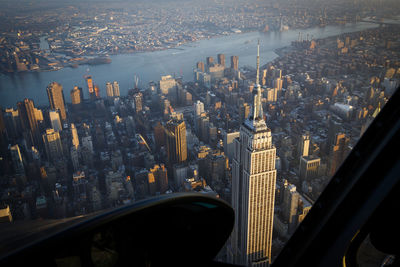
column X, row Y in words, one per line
column 149, row 66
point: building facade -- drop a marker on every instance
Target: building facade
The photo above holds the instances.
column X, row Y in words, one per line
column 56, row 98
column 253, row 189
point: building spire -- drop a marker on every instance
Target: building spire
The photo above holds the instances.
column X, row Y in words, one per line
column 256, row 119
column 258, row 63
column 258, row 110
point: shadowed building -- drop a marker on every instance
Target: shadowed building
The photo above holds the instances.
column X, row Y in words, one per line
column 175, row 131
column 29, row 121
column 56, row 98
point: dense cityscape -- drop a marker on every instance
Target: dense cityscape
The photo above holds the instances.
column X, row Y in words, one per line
column 304, row 112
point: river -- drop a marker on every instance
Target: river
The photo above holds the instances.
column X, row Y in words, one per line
column 149, row 66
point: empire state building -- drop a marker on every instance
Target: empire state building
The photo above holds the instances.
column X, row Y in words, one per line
column 253, row 187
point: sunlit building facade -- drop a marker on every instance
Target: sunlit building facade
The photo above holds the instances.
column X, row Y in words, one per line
column 253, row 189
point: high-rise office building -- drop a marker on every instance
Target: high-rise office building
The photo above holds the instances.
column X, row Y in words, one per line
column 3, row 135
column 29, row 122
column 76, row 95
column 16, row 159
column 303, row 147
column 159, row 135
column 56, row 98
column 97, row 91
column 200, row 66
column 176, row 141
column 75, row 137
column 109, row 90
column 74, row 153
column 221, row 59
column 166, row 84
column 12, row 122
column 198, row 107
column 158, row 176
column 87, row 143
column 229, row 144
column 272, row 94
column 138, row 98
column 55, row 120
column 53, row 146
column 210, row 61
column 116, row 89
column 235, row 62
column 338, row 152
column 90, row 85
column 290, row 206
column 216, row 72
column 278, row 84
column 253, row 188
column 244, row 111
column 309, row 168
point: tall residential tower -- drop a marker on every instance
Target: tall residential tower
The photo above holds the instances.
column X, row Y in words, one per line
column 253, row 188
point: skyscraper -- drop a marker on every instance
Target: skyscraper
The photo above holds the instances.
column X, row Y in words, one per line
column 138, row 98
column 75, row 137
column 304, row 145
column 3, row 135
column 209, row 60
column 290, row 206
column 29, row 122
column 200, row 66
column 198, row 107
column 253, row 188
column 12, row 122
column 109, row 90
column 221, row 59
column 97, row 91
column 158, row 174
column 56, row 98
column 55, row 120
column 76, row 95
column 17, row 160
column 235, row 62
column 52, row 142
column 309, row 167
column 116, row 89
column 176, row 141
column 90, row 86
column 338, row 152
column 166, row 84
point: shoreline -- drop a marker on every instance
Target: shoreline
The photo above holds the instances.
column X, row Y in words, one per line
column 86, row 60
